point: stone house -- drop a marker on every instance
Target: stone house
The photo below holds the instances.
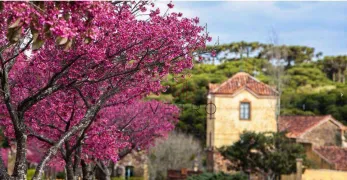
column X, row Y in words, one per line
column 244, row 103
column 241, row 103
column 332, row 156
column 323, row 139
column 238, row 104
column 133, row 164
column 316, row 130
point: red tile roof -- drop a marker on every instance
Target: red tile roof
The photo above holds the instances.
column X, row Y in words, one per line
column 336, row 156
column 242, row 80
column 297, row 125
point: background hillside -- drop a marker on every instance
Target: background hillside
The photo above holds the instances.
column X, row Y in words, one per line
column 310, row 84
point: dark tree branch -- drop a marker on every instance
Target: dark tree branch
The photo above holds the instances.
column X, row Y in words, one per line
column 40, row 137
column 17, row 54
column 83, row 97
column 50, row 88
column 48, row 125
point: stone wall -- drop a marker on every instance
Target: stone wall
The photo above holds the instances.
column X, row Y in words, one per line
column 136, row 159
column 225, row 126
column 327, row 134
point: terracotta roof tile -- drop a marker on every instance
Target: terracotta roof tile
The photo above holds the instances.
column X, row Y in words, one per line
column 243, row 80
column 297, row 125
column 336, row 156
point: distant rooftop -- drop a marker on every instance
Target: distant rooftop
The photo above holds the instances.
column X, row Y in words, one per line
column 240, row 81
column 336, row 156
column 297, row 125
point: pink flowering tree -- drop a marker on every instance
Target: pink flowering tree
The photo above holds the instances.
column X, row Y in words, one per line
column 56, row 57
column 116, row 131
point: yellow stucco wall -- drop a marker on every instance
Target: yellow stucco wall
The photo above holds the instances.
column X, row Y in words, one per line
column 322, row 174
column 225, row 125
column 318, row 162
column 319, row 174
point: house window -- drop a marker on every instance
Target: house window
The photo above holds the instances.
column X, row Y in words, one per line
column 245, row 110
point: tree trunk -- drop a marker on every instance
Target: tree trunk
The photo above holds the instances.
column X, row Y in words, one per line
column 112, row 168
column 86, row 170
column 105, row 172
column 69, row 169
column 339, row 75
column 20, row 168
column 289, row 64
column 88, row 117
column 77, row 162
column 108, row 176
column 334, row 77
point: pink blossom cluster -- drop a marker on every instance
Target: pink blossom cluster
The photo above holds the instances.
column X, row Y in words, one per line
column 62, row 19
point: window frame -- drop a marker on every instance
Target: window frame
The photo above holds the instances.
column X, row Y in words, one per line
column 249, row 110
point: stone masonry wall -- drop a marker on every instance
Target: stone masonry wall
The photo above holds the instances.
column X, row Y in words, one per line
column 327, row 134
column 225, row 128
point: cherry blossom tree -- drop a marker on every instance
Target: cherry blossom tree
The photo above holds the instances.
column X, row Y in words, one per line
column 34, row 154
column 56, row 57
column 140, row 123
column 116, row 131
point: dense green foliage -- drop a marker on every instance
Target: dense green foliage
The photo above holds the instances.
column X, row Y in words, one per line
column 336, row 67
column 309, row 87
column 218, row 176
column 270, row 154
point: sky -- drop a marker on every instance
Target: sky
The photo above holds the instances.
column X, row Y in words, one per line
column 322, row 25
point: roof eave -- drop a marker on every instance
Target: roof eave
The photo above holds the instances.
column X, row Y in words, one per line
column 240, row 90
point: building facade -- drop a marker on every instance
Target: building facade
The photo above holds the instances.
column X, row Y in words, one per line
column 241, row 103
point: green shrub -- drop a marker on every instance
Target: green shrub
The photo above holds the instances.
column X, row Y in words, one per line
column 60, row 175
column 30, row 173
column 218, row 176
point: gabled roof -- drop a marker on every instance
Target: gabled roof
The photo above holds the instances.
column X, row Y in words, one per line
column 337, row 156
column 240, row 81
column 296, row 126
